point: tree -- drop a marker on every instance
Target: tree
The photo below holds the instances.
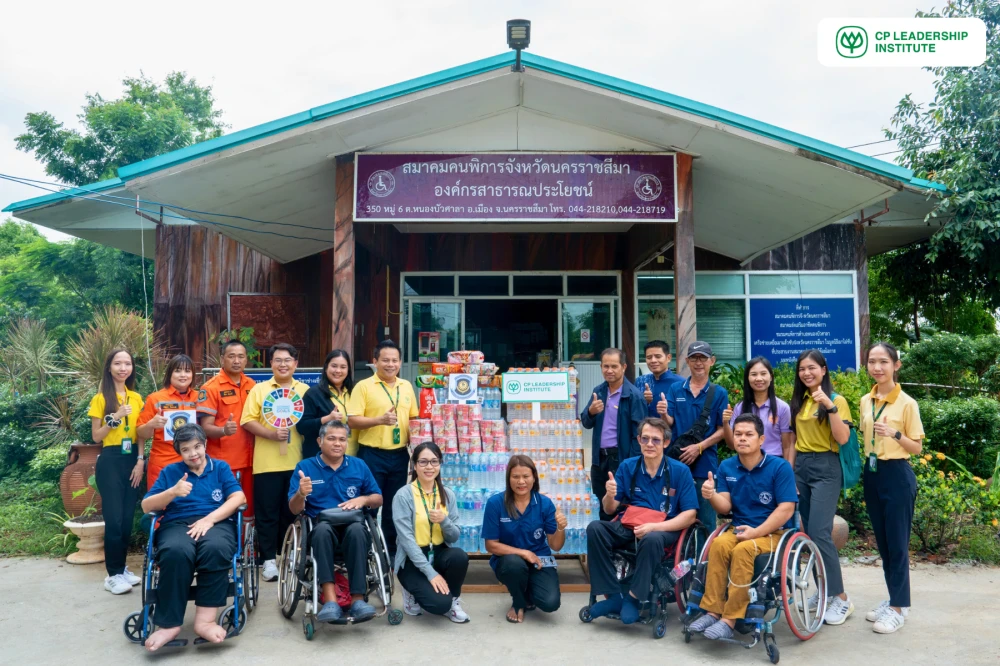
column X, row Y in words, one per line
column 147, row 121
column 953, row 140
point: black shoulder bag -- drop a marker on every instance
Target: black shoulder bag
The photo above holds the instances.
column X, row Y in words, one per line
column 698, row 431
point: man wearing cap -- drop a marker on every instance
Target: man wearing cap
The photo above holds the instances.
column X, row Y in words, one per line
column 694, row 438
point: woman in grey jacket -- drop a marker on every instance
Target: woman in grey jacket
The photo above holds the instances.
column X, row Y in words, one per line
column 430, row 570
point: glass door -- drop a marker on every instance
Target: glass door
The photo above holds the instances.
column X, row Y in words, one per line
column 586, row 328
column 443, row 316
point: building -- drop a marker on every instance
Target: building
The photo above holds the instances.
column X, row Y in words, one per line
column 754, row 246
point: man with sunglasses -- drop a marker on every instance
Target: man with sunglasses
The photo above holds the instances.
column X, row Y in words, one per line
column 653, row 499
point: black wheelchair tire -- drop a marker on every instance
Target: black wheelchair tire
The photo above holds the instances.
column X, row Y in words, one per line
column 585, row 615
column 772, row 653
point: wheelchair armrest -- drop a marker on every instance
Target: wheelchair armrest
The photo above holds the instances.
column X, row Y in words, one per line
column 338, row 516
column 241, row 508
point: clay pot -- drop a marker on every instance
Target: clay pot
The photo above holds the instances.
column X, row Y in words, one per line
column 80, row 466
column 840, row 532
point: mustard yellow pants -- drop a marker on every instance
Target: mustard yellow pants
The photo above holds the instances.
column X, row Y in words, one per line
column 732, row 559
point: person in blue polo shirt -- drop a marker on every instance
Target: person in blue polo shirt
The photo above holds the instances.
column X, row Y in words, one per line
column 197, row 498
column 334, row 479
column 521, row 528
column 659, row 379
column 694, row 439
column 759, row 490
column 658, row 494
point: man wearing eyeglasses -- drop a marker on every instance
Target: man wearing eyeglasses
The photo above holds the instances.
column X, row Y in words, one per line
column 276, row 453
column 653, row 499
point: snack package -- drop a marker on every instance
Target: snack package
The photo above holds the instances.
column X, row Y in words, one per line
column 471, row 368
column 475, row 412
column 484, row 381
column 439, row 368
column 425, row 368
column 466, row 357
column 488, row 369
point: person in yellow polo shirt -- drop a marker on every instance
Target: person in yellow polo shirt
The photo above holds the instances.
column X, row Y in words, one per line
column 821, row 424
column 380, row 410
column 276, row 453
column 892, row 431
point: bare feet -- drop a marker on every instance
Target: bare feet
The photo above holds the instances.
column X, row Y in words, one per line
column 515, row 616
column 161, row 637
column 210, row 631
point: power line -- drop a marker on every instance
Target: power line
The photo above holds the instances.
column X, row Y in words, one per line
column 899, row 150
column 870, row 143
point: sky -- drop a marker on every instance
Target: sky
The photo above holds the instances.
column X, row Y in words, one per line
column 267, row 60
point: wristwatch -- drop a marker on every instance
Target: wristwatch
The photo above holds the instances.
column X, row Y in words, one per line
column 898, row 436
column 833, row 410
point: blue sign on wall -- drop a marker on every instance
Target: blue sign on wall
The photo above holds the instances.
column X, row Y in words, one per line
column 783, row 328
column 259, row 375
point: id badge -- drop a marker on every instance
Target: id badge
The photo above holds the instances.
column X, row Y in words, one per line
column 872, row 462
column 396, row 437
column 126, row 445
column 547, row 561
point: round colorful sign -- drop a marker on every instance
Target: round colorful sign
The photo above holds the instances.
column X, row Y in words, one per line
column 282, row 408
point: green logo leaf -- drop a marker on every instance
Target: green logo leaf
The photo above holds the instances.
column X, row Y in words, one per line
column 852, row 41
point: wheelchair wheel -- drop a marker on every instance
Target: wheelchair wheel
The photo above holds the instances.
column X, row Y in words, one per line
column 660, row 630
column 289, row 585
column 772, row 649
column 802, row 575
column 687, row 549
column 228, row 621
column 585, row 615
column 380, row 564
column 132, row 626
column 250, row 573
column 395, row 616
column 308, row 629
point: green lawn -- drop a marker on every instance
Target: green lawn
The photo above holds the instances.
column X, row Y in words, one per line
column 25, row 526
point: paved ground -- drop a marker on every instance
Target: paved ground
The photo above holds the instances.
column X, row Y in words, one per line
column 56, row 613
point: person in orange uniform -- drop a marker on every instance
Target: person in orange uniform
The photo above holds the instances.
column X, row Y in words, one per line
column 220, row 408
column 171, row 407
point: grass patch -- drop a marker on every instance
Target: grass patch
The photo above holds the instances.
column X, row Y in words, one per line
column 980, row 544
column 25, row 526
column 857, row 546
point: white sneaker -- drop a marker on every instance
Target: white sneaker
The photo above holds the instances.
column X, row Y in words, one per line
column 131, row 577
column 813, row 603
column 410, row 605
column 875, row 613
column 888, row 622
column 456, row 614
column 270, row 570
column 838, row 610
column 117, row 584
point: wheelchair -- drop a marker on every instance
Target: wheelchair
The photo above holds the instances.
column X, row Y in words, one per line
column 664, row 589
column 244, row 583
column 782, row 583
column 297, row 569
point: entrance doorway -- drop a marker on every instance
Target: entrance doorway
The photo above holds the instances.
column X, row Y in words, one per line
column 513, row 333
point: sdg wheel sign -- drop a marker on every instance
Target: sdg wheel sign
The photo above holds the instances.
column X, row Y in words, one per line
column 282, row 408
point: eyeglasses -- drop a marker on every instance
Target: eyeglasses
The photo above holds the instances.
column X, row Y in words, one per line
column 651, row 440
column 429, row 463
column 282, row 361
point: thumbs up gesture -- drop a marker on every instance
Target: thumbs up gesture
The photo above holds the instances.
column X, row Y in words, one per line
column 708, row 488
column 158, row 421
column 727, row 414
column 596, row 406
column 183, row 487
column 561, row 521
column 611, row 487
column 230, row 427
column 661, row 406
column 648, row 394
column 882, row 428
column 389, row 418
column 305, row 484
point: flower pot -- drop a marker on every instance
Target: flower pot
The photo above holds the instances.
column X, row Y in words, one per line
column 90, row 548
column 840, row 532
column 80, row 465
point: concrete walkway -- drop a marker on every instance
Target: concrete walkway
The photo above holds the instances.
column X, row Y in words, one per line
column 56, row 613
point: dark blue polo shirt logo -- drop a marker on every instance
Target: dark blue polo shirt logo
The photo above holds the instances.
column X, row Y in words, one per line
column 663, row 506
column 504, row 519
column 352, row 491
column 765, row 498
column 538, row 533
column 217, row 495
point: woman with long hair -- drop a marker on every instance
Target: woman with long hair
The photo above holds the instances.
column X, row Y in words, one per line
column 892, row 430
column 173, row 406
column 327, row 401
column 759, row 399
column 821, row 423
column 113, row 413
column 429, row 567
column 521, row 528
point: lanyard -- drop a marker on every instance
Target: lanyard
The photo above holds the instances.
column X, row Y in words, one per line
column 125, row 402
column 875, row 419
column 343, row 404
column 430, row 531
column 388, row 395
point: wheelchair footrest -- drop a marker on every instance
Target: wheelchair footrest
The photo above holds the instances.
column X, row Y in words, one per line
column 177, row 642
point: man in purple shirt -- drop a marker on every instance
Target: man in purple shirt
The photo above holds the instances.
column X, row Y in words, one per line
column 613, row 413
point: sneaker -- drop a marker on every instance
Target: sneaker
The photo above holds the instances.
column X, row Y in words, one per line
column 888, row 622
column 813, row 603
column 457, row 613
column 702, row 623
column 875, row 613
column 838, row 610
column 117, row 584
column 362, row 610
column 410, row 605
column 270, row 570
column 131, row 577
column 329, row 612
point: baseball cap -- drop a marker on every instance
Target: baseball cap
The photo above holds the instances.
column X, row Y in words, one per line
column 700, row 348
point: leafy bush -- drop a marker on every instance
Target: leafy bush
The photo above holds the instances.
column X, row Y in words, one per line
column 950, row 501
column 953, row 360
column 966, row 429
column 48, row 463
column 980, row 544
column 26, row 528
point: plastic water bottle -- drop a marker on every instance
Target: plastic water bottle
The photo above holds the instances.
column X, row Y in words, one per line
column 543, row 476
column 588, row 512
column 680, row 570
column 473, row 546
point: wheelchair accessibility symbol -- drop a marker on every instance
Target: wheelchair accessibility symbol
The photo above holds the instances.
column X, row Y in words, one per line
column 381, row 183
column 648, row 187
column 217, row 495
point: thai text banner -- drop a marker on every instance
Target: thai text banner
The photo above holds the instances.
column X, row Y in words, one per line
column 481, row 187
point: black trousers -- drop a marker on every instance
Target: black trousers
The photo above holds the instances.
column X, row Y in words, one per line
column 389, row 467
column 179, row 556
column 603, row 537
column 528, row 585
column 270, row 496
column 452, row 563
column 118, row 500
column 608, row 462
column 890, row 495
column 326, row 539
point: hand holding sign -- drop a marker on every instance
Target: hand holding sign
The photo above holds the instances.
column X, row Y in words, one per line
column 158, row 421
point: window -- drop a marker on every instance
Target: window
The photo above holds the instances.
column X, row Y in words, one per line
column 656, row 285
column 592, row 285
column 722, row 324
column 798, row 284
column 656, row 322
column 708, row 284
column 538, row 285
column 483, row 285
column 429, row 285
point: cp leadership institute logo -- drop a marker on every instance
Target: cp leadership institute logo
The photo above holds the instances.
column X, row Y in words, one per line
column 513, row 388
column 852, row 41
column 648, row 187
column 381, row 184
